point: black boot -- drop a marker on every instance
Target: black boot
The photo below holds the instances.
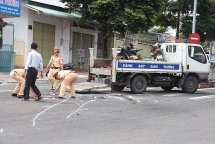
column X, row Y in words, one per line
column 14, row 95
column 20, row 96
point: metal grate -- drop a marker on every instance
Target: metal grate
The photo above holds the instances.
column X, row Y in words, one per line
column 81, row 42
column 44, row 36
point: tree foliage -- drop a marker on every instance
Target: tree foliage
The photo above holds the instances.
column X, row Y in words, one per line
column 176, row 14
column 138, row 15
column 205, row 22
column 172, row 13
column 159, row 30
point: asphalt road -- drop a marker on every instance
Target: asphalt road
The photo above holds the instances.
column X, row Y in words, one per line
column 101, row 117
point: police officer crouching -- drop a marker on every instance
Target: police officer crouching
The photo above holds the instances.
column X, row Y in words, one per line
column 67, row 78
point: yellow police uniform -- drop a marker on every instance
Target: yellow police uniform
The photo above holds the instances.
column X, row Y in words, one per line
column 55, row 67
column 68, row 78
column 16, row 74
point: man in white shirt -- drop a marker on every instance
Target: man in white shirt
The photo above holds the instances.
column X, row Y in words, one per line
column 33, row 64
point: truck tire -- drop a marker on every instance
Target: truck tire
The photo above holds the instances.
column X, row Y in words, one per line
column 138, row 84
column 118, row 87
column 190, row 84
column 167, row 88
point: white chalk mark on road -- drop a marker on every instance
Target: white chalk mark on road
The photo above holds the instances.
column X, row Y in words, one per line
column 34, row 119
column 203, row 97
column 1, row 130
column 116, row 98
column 79, row 108
column 122, row 99
column 132, row 98
column 173, row 95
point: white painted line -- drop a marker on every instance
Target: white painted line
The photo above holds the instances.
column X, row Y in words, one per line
column 6, row 90
column 79, row 108
column 34, row 119
column 203, row 97
column 1, row 130
column 172, row 95
column 51, row 98
column 44, row 86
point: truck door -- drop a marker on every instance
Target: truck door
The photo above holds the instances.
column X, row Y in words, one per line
column 196, row 59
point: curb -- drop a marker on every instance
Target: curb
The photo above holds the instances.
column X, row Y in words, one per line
column 209, row 85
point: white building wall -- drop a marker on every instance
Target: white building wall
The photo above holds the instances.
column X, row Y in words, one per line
column 62, row 32
column 21, row 31
column 20, row 25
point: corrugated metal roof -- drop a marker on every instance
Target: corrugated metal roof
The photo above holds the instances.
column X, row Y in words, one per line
column 51, row 12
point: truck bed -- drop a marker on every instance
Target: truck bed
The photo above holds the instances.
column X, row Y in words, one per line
column 101, row 67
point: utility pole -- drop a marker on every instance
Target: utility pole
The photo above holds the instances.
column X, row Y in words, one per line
column 194, row 16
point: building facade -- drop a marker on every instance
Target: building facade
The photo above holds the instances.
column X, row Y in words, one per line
column 50, row 25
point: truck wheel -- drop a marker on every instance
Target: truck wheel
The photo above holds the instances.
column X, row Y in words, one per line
column 138, row 84
column 190, row 84
column 118, row 87
column 167, row 88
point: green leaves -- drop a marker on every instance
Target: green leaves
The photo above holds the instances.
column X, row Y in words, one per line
column 139, row 15
column 176, row 14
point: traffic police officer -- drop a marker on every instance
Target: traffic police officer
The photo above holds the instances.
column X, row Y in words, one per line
column 67, row 78
column 55, row 65
column 16, row 74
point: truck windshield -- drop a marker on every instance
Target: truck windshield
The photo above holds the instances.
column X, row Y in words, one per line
column 196, row 53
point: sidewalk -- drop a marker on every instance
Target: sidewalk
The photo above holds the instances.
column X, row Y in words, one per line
column 5, row 76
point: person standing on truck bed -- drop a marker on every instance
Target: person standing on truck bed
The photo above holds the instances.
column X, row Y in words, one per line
column 130, row 46
column 55, row 65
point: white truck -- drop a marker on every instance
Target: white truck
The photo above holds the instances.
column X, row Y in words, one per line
column 183, row 65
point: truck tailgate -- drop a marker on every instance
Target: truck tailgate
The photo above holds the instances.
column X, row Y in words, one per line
column 88, row 86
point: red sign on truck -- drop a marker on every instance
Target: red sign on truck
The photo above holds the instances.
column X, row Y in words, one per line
column 194, row 38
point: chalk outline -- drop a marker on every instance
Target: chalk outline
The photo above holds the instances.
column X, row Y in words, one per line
column 34, row 119
column 80, row 108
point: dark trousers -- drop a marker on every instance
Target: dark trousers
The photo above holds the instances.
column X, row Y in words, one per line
column 30, row 82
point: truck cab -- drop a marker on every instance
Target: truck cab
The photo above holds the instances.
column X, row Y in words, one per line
column 192, row 56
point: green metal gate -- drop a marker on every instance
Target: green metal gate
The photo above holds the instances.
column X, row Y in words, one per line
column 7, row 55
